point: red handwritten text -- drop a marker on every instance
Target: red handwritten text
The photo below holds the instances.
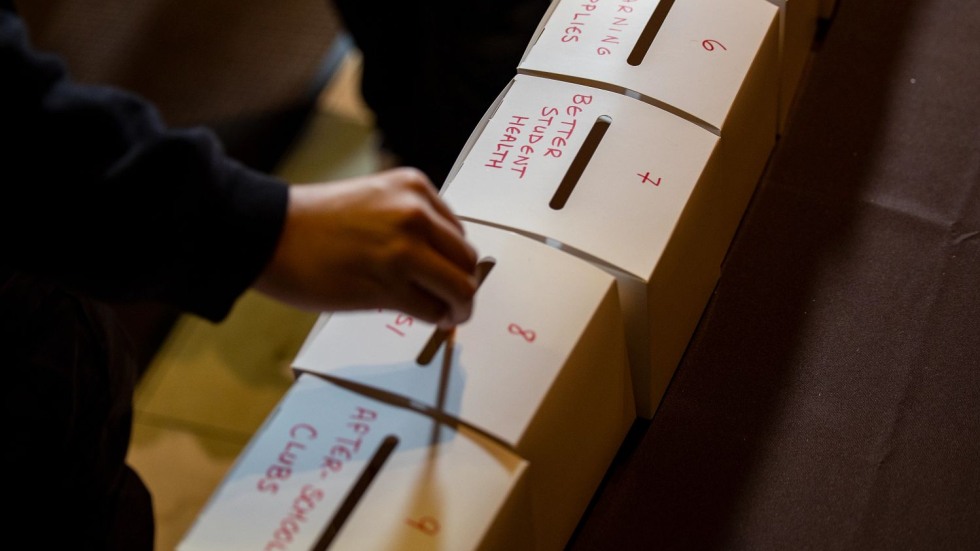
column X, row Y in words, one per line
column 620, row 22
column 289, row 526
column 505, row 145
column 573, row 31
column 342, row 450
column 281, row 470
column 546, row 135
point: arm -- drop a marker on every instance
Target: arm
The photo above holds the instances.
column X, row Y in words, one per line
column 101, row 196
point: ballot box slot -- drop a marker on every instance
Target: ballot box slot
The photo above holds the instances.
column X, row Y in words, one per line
column 439, row 336
column 579, row 163
column 649, row 33
column 356, row 492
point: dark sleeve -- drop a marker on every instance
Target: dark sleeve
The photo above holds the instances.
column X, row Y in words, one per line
column 447, row 75
column 99, row 195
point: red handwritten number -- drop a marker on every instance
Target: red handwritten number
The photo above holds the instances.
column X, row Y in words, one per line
column 528, row 334
column 710, row 44
column 645, row 178
column 401, row 319
column 427, row 525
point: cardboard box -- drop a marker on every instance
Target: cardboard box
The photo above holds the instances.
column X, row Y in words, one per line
column 797, row 29
column 300, row 482
column 714, row 62
column 540, row 366
column 655, row 204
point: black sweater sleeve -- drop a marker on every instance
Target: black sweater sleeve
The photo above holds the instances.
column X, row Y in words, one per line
column 99, row 195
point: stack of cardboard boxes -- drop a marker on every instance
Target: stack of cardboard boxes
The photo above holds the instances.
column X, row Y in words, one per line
column 603, row 188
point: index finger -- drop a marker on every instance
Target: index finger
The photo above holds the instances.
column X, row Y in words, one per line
column 448, row 240
column 439, row 204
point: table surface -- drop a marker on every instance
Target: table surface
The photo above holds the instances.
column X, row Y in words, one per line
column 830, row 398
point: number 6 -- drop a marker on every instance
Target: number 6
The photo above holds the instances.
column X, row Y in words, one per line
column 710, row 45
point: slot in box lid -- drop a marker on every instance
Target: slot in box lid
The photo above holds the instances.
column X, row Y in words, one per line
column 627, row 199
column 295, row 479
column 691, row 56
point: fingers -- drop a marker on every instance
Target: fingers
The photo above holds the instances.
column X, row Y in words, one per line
column 447, row 270
column 386, row 240
column 446, row 283
column 449, row 241
column 420, row 304
column 424, row 186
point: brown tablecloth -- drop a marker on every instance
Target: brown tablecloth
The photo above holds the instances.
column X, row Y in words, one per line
column 830, row 398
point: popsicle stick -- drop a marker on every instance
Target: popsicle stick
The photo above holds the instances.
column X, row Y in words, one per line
column 439, row 336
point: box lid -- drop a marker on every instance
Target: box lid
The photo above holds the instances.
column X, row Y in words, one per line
column 692, row 55
column 529, row 314
column 629, row 195
column 297, row 474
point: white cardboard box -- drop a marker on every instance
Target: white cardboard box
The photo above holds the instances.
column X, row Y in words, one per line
column 797, row 29
column 656, row 204
column 712, row 61
column 295, row 479
column 541, row 366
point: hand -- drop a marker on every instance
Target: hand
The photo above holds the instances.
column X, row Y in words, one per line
column 381, row 241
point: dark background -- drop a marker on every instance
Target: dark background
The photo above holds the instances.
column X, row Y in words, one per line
column 830, row 398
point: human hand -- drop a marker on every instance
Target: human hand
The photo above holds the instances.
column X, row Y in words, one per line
column 386, row 240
